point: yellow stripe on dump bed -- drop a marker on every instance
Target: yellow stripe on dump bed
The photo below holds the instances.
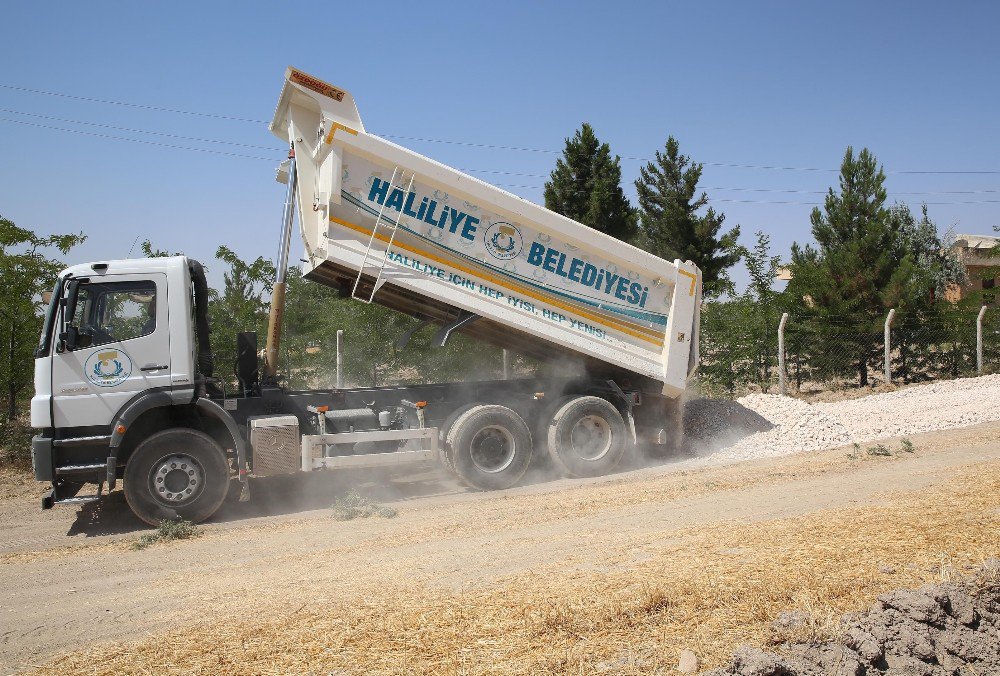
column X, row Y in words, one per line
column 640, row 332
column 334, row 127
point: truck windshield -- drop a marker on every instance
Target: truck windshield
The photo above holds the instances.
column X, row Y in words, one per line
column 45, row 342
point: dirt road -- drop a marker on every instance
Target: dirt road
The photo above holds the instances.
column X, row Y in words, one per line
column 71, row 583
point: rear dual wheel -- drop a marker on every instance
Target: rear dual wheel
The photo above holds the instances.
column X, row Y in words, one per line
column 488, row 446
column 586, row 437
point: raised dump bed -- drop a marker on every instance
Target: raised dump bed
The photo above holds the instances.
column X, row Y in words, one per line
column 388, row 225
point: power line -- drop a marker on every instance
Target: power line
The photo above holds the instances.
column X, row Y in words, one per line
column 816, row 203
column 890, row 192
column 135, row 131
column 275, row 159
column 131, row 105
column 730, row 165
column 490, row 146
column 135, row 140
column 765, row 190
column 488, row 171
column 505, row 173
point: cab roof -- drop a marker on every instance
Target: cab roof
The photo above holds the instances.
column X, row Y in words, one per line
column 127, row 266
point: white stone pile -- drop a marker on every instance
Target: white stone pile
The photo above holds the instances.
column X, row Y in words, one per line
column 799, row 426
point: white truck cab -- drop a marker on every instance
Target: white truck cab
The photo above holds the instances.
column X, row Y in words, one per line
column 119, row 340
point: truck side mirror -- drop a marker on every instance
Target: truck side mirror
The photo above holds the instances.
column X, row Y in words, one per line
column 68, row 338
column 69, row 334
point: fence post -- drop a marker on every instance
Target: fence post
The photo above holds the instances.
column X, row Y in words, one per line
column 782, row 385
column 340, row 359
column 888, row 347
column 979, row 340
column 506, row 364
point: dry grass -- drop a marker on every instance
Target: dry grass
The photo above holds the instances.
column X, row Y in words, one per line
column 17, row 482
column 707, row 589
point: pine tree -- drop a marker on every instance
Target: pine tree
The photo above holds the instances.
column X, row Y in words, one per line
column 670, row 225
column 861, row 268
column 586, row 186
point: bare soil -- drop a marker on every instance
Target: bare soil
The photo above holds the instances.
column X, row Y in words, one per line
column 936, row 630
column 616, row 574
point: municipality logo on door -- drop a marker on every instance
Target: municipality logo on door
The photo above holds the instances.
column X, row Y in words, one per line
column 503, row 241
column 108, row 368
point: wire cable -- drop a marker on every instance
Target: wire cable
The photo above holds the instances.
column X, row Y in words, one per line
column 471, row 170
column 130, row 105
column 135, row 140
column 489, row 146
column 135, row 131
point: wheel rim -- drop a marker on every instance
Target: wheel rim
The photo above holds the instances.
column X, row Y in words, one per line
column 493, row 449
column 591, row 438
column 176, row 479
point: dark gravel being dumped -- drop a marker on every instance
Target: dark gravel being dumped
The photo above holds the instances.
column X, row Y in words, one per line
column 713, row 424
column 951, row 628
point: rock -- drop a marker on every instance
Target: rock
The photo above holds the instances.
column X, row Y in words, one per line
column 688, row 663
column 749, row 661
column 832, row 659
column 865, row 644
column 916, row 605
column 790, row 619
column 958, row 605
column 949, row 629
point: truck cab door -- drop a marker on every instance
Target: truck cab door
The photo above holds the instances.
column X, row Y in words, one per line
column 115, row 346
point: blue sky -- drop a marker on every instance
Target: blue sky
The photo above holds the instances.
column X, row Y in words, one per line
column 787, row 84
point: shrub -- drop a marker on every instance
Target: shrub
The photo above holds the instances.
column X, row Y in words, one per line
column 169, row 529
column 355, row 506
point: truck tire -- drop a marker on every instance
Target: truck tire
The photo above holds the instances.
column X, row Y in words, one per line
column 489, row 447
column 587, row 437
column 443, row 431
column 540, row 433
column 179, row 473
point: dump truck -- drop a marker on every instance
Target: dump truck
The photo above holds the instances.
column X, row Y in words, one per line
column 125, row 386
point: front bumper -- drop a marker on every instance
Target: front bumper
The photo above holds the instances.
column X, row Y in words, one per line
column 42, row 458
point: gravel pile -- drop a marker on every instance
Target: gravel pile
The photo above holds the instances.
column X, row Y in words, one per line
column 936, row 630
column 800, row 426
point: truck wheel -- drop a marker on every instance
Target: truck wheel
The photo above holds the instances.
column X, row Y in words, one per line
column 489, row 447
column 178, row 473
column 443, row 431
column 587, row 437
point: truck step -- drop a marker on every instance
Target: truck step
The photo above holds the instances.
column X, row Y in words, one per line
column 81, row 469
column 83, row 441
column 77, row 500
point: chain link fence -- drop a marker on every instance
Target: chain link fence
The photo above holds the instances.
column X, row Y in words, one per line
column 740, row 348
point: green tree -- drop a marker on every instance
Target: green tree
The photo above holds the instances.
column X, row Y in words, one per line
column 860, row 269
column 150, row 252
column 586, row 186
column 671, row 226
column 239, row 307
column 926, row 333
column 27, row 271
column 739, row 336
